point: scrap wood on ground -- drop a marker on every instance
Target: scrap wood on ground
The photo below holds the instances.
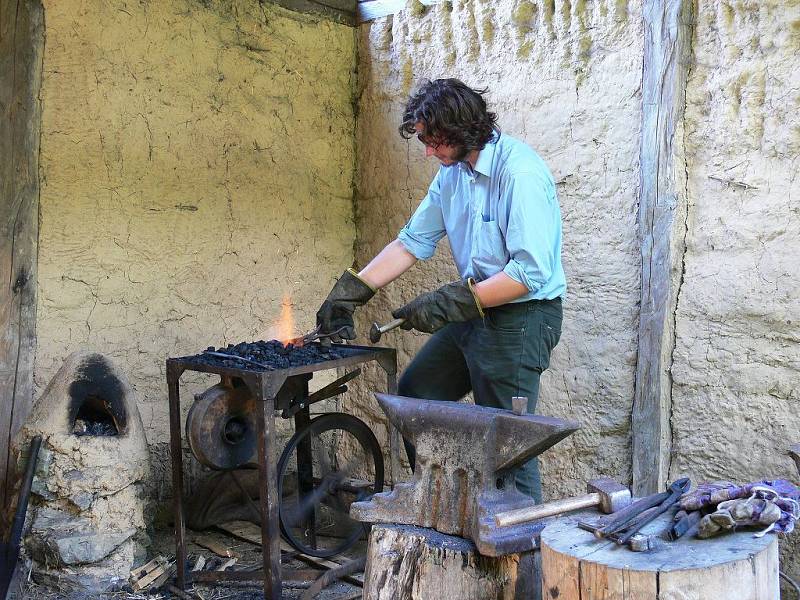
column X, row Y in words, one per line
column 249, row 553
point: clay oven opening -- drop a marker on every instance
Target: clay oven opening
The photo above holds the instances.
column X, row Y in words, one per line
column 96, row 405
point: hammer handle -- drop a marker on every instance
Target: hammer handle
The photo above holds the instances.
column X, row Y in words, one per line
column 391, row 325
column 548, row 509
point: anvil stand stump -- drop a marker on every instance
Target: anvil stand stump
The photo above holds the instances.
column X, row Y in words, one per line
column 265, row 386
column 405, row 562
column 578, row 566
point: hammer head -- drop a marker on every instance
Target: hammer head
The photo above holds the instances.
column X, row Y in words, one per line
column 613, row 495
column 375, row 333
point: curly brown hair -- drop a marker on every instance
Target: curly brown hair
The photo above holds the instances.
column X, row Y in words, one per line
column 451, row 113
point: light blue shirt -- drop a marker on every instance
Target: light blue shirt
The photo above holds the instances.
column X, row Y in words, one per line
column 501, row 216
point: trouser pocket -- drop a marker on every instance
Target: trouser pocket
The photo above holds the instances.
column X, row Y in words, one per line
column 543, row 332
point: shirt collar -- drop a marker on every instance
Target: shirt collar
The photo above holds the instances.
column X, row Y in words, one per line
column 484, row 163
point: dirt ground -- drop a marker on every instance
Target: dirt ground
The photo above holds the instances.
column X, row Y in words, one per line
column 164, row 544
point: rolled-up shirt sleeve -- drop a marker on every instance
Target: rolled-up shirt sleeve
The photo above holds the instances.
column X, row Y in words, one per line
column 426, row 226
column 533, row 234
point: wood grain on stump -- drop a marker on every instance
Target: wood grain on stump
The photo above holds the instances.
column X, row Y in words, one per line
column 413, row 563
column 578, row 566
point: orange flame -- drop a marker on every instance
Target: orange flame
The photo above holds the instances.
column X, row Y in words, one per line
column 285, row 325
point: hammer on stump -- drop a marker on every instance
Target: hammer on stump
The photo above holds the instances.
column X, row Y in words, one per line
column 604, row 494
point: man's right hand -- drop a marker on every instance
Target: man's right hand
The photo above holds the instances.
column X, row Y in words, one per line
column 350, row 292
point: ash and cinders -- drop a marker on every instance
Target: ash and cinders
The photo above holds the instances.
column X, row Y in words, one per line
column 103, row 427
column 267, row 356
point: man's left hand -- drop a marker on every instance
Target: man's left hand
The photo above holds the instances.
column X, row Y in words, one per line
column 451, row 303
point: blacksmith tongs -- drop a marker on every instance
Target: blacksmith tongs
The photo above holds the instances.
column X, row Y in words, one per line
column 315, row 335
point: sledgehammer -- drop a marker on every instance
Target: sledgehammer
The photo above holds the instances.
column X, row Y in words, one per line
column 377, row 331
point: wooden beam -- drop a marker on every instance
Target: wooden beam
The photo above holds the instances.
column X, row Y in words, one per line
column 341, row 11
column 21, row 46
column 662, row 230
column 374, row 9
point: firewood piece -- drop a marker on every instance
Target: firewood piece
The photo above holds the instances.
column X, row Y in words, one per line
column 152, row 575
column 176, row 591
column 228, row 563
column 244, row 530
column 405, row 562
column 216, row 547
column 146, row 568
column 249, row 532
column 332, row 575
column 199, row 563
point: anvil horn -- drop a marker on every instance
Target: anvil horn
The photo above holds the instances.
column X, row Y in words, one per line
column 514, row 433
column 404, row 413
column 516, row 437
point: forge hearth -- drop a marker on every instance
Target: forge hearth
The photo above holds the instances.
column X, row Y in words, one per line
column 88, row 508
column 232, row 424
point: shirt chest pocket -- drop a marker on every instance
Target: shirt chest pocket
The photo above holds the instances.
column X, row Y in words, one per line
column 488, row 248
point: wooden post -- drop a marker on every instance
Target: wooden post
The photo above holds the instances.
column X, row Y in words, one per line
column 662, row 231
column 341, row 11
column 413, row 563
column 577, row 566
column 21, row 46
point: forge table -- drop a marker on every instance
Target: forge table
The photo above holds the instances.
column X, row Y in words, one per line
column 266, row 387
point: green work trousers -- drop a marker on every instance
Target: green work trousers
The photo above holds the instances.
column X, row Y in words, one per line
column 496, row 358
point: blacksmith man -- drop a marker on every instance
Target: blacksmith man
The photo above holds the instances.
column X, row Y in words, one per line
column 495, row 200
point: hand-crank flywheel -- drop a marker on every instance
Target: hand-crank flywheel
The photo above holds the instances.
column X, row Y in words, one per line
column 221, row 426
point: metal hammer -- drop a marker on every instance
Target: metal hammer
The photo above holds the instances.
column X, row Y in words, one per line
column 604, row 493
column 377, row 331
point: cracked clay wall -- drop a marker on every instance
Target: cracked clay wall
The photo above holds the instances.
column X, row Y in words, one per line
column 736, row 365
column 197, row 164
column 565, row 77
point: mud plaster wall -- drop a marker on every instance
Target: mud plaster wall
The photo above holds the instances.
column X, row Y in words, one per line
column 736, row 365
column 197, row 163
column 565, row 77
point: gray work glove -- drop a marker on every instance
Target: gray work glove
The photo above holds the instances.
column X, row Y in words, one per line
column 337, row 311
column 431, row 311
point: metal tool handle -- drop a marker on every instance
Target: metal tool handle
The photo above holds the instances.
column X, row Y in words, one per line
column 377, row 331
column 540, row 511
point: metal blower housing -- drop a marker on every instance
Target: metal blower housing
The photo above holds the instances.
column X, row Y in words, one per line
column 221, row 426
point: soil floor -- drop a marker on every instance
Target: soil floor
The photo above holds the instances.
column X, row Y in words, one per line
column 249, row 558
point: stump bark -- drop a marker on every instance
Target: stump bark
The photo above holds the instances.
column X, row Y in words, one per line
column 578, row 566
column 413, row 563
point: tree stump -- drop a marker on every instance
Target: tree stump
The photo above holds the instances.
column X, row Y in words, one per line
column 578, row 566
column 413, row 563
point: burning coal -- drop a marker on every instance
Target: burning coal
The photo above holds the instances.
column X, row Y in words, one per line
column 268, row 356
